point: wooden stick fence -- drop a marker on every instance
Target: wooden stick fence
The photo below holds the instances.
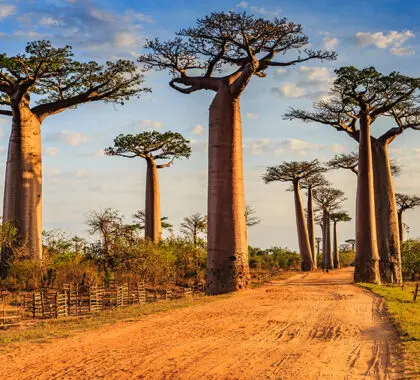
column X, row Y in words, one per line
column 9, row 317
column 82, row 299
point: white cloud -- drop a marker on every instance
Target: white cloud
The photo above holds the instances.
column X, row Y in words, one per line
column 383, row 41
column 73, row 138
column 251, row 115
column 198, row 145
column 50, row 151
column 51, row 172
column 289, row 90
column 402, row 51
column 7, row 10
column 280, row 72
column 99, row 153
column 150, row 124
column 198, row 130
column 48, row 21
column 330, row 43
column 260, row 10
column 314, row 75
column 288, row 146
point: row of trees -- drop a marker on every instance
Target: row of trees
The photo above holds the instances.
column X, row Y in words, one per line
column 221, row 53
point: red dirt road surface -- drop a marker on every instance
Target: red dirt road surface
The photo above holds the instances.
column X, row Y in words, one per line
column 313, row 326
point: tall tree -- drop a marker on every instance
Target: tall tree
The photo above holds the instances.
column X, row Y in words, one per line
column 140, row 218
column 248, row 46
column 295, row 172
column 250, row 218
column 337, row 217
column 59, row 82
column 405, row 202
column 318, row 242
column 193, row 226
column 358, row 98
column 152, row 146
column 311, row 183
column 328, row 200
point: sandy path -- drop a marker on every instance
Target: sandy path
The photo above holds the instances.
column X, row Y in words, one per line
column 315, row 326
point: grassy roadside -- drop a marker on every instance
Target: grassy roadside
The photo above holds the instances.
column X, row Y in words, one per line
column 405, row 316
column 41, row 331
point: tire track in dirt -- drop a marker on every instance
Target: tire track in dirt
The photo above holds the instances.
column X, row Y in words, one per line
column 312, row 326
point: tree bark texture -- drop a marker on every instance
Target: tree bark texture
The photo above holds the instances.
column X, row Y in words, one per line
column 336, row 254
column 386, row 215
column 328, row 255
column 22, row 204
column 302, row 230
column 401, row 226
column 311, row 227
column 153, row 224
column 227, row 260
column 367, row 255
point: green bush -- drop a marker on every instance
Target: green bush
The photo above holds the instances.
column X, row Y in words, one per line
column 410, row 254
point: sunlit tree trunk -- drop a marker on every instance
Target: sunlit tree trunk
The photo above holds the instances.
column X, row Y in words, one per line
column 311, row 226
column 227, row 261
column 401, row 227
column 328, row 255
column 386, row 214
column 336, row 254
column 22, row 204
column 367, row 256
column 302, row 230
column 153, row 226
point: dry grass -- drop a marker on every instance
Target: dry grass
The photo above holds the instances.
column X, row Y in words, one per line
column 405, row 315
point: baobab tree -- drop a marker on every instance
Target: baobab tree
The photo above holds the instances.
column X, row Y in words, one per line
column 193, row 226
column 358, row 98
column 250, row 218
column 59, row 82
column 140, row 218
column 152, row 146
column 328, row 200
column 311, row 183
column 352, row 242
column 337, row 217
column 405, row 202
column 350, row 162
column 318, row 242
column 248, row 46
column 295, row 172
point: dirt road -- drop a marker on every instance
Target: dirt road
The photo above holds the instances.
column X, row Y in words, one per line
column 315, row 326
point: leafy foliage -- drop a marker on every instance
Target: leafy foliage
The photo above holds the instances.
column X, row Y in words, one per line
column 247, row 44
column 193, row 226
column 140, row 221
column 151, row 145
column 293, row 171
column 328, row 198
column 62, row 82
column 410, row 254
column 250, row 217
column 366, row 91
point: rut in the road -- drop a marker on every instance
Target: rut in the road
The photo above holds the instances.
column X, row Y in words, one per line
column 310, row 327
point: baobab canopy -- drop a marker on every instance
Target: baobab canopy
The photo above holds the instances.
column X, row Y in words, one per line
column 61, row 82
column 228, row 39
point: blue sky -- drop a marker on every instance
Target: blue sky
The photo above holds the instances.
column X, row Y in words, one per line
column 77, row 177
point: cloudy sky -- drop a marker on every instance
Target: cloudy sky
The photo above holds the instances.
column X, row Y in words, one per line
column 78, row 177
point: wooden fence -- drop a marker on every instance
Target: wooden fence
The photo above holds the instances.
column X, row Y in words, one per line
column 82, row 299
column 9, row 317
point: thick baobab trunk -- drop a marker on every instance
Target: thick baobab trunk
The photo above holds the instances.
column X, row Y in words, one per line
column 367, row 256
column 336, row 255
column 311, row 226
column 153, row 224
column 328, row 255
column 22, row 203
column 302, row 230
column 401, row 227
column 386, row 214
column 227, row 260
